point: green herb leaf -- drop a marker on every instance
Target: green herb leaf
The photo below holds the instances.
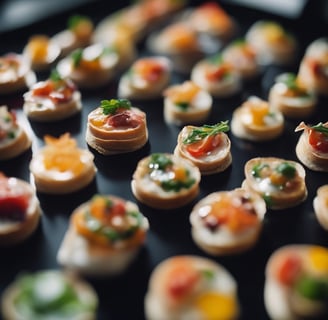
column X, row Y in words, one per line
column 177, row 185
column 216, row 59
column 111, row 106
column 208, row 274
column 55, row 75
column 313, row 289
column 256, row 170
column 289, row 79
column 200, row 133
column 286, row 169
column 159, row 161
column 320, row 127
column 74, row 20
column 182, row 105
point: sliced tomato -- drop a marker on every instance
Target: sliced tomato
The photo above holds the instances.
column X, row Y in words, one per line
column 204, row 146
column 13, row 207
column 318, row 140
column 43, row 89
column 181, row 281
column 289, row 270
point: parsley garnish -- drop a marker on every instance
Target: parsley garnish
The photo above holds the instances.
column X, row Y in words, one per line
column 55, row 76
column 159, row 161
column 77, row 57
column 286, row 169
column 111, row 106
column 320, row 127
column 289, row 79
column 74, row 20
column 182, row 105
column 200, row 133
column 256, row 170
column 216, row 59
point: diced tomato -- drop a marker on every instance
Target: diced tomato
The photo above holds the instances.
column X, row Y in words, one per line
column 289, row 270
column 149, row 69
column 318, row 140
column 181, row 281
column 43, row 89
column 204, row 146
column 218, row 73
column 13, row 207
column 124, row 119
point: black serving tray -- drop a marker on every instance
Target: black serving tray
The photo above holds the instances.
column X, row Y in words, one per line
column 121, row 297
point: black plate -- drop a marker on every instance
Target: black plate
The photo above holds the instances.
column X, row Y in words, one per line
column 122, row 297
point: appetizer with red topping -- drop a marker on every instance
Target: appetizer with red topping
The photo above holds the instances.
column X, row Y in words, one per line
column 42, row 52
column 296, row 285
column 13, row 137
column 77, row 35
column 208, row 147
column 90, row 67
column 146, row 79
column 272, row 43
column 313, row 72
column 49, row 294
column 191, row 287
column 211, row 19
column 20, row 210
column 280, row 182
column 289, row 96
column 137, row 19
column 257, row 120
column 15, row 73
column 53, row 99
column 312, row 146
column 242, row 56
column 320, row 205
column 186, row 103
column 216, row 76
column 104, row 236
column 61, row 167
column 227, row 222
column 165, row 181
column 116, row 127
column 180, row 43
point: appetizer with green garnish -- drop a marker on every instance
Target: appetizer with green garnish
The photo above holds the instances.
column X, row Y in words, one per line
column 280, row 182
column 296, row 283
column 312, row 146
column 116, row 127
column 165, row 181
column 293, row 99
column 104, row 236
column 207, row 146
column 49, row 294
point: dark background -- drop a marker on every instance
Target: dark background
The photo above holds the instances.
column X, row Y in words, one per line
column 122, row 297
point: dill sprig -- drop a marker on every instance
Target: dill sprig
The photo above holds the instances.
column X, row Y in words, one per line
column 199, row 133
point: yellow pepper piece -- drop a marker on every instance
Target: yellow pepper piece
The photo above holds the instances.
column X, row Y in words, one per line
column 258, row 111
column 217, row 306
column 319, row 259
column 38, row 47
column 180, row 173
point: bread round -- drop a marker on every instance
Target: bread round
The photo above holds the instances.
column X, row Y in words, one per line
column 279, row 191
column 148, row 189
column 84, row 292
column 295, row 107
column 285, row 270
column 124, row 137
column 320, row 205
column 200, row 298
column 41, row 51
column 146, row 79
column 85, row 256
column 196, row 104
column 55, row 180
column 96, row 67
column 311, row 71
column 311, row 158
column 214, row 161
column 243, row 126
column 13, row 232
column 16, row 74
column 272, row 43
column 218, row 238
column 224, row 87
column 16, row 140
column 43, row 108
column 180, row 43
